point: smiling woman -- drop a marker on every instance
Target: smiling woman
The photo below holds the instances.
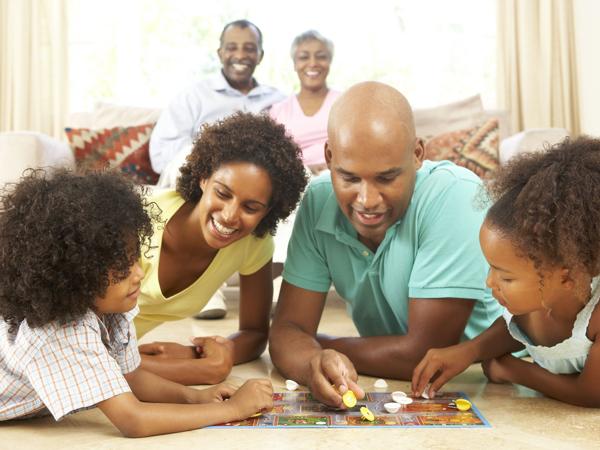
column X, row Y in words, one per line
column 243, row 176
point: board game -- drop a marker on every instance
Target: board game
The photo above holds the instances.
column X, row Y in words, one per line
column 300, row 409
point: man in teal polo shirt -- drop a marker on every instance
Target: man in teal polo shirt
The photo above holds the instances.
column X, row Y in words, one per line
column 398, row 238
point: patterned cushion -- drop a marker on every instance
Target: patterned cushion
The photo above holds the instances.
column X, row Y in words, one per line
column 124, row 147
column 475, row 148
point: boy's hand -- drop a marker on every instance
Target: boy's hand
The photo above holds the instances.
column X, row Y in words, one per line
column 168, row 350
column 440, row 365
column 332, row 374
column 252, row 397
column 215, row 394
column 498, row 369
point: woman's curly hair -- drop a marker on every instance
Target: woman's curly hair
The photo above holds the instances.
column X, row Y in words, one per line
column 64, row 238
column 256, row 139
column 548, row 204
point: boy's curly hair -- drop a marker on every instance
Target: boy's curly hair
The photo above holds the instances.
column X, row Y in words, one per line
column 256, row 139
column 548, row 204
column 64, row 238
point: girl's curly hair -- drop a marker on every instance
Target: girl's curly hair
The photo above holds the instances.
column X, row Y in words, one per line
column 548, row 204
column 256, row 139
column 64, row 238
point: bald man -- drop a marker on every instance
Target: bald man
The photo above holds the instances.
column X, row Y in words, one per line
column 398, row 238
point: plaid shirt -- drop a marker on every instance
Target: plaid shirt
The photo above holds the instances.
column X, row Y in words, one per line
column 64, row 368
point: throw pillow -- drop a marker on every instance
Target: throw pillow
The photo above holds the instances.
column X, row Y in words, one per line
column 453, row 116
column 126, row 148
column 475, row 148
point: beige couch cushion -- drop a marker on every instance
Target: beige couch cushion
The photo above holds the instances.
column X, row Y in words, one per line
column 459, row 115
column 23, row 150
column 534, row 139
column 107, row 115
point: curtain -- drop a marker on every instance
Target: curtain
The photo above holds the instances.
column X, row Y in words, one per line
column 537, row 70
column 33, row 65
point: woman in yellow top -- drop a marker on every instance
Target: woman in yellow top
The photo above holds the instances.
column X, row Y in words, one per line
column 243, row 176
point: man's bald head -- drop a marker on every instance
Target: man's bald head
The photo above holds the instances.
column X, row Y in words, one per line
column 370, row 107
column 374, row 157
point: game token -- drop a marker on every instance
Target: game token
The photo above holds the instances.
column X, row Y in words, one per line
column 462, row 404
column 392, row 407
column 397, row 395
column 349, row 399
column 367, row 414
column 380, row 384
column 291, row 385
column 404, row 401
column 425, row 393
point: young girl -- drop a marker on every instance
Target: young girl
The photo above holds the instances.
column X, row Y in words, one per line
column 69, row 246
column 542, row 241
column 243, row 176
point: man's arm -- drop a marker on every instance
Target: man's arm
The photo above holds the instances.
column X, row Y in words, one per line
column 298, row 355
column 174, row 130
column 431, row 323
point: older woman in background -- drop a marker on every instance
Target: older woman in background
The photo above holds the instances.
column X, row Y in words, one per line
column 305, row 114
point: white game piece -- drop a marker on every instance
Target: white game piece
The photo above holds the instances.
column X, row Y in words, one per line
column 392, row 407
column 397, row 395
column 380, row 384
column 291, row 385
column 425, row 394
column 404, row 401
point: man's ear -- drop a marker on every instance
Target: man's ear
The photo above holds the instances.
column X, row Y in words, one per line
column 327, row 152
column 260, row 58
column 219, row 54
column 419, row 153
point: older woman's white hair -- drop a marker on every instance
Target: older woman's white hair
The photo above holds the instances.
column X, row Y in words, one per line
column 311, row 35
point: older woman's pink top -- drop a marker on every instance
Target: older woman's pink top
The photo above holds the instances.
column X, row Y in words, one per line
column 309, row 132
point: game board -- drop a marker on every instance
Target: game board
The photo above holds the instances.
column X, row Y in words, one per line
column 300, row 409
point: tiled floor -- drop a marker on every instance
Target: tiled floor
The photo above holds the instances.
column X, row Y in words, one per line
column 519, row 418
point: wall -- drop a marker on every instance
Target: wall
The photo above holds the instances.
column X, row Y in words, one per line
column 587, row 41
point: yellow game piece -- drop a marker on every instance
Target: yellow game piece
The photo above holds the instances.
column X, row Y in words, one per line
column 462, row 404
column 258, row 414
column 367, row 414
column 349, row 399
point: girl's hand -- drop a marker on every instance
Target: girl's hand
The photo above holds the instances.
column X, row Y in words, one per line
column 252, row 397
column 215, row 394
column 440, row 365
column 168, row 350
column 498, row 369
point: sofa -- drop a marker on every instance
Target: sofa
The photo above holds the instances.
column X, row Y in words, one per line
column 116, row 135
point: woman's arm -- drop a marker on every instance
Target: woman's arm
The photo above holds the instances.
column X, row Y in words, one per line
column 256, row 297
column 184, row 365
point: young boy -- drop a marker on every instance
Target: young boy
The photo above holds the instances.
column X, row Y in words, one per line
column 70, row 278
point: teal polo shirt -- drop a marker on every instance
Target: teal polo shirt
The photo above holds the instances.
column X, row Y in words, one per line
column 431, row 252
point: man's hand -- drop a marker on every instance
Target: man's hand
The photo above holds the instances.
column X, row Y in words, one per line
column 168, row 350
column 440, row 365
column 498, row 369
column 332, row 374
